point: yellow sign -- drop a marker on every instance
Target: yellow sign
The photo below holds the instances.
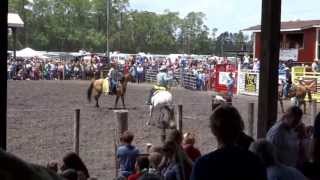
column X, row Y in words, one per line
column 250, row 82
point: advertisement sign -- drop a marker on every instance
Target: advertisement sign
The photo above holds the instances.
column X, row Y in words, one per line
column 288, row 54
column 250, row 82
column 223, row 77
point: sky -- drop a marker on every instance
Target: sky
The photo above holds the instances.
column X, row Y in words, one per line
column 231, row 15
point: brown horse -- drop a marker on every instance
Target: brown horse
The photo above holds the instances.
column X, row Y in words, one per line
column 96, row 87
column 298, row 92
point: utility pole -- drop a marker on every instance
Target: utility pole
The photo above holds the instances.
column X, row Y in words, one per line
column 108, row 24
column 270, row 42
column 3, row 72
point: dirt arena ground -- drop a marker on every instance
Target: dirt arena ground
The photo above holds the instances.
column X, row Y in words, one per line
column 40, row 121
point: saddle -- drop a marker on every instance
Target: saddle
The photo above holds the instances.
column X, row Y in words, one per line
column 158, row 89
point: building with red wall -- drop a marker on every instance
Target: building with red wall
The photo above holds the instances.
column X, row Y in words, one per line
column 300, row 37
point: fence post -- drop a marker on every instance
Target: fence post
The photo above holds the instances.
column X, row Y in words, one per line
column 121, row 118
column 251, row 118
column 313, row 110
column 76, row 131
column 180, row 117
column 115, row 144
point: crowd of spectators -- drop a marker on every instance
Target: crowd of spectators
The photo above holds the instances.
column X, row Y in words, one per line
column 54, row 69
column 291, row 151
column 85, row 69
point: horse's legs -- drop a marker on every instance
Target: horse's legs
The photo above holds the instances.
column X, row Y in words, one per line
column 96, row 97
column 116, row 102
column 281, row 104
column 150, row 113
column 171, row 118
column 122, row 99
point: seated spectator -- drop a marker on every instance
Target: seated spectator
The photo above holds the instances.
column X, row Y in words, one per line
column 176, row 137
column 70, row 174
column 142, row 167
column 173, row 167
column 155, row 161
column 188, row 146
column 311, row 169
column 229, row 161
column 304, row 143
column 13, row 168
column 53, row 165
column 283, row 136
column 73, row 161
column 275, row 170
column 127, row 154
column 150, row 177
column 244, row 140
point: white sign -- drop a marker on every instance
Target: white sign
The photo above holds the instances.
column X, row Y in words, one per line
column 288, row 54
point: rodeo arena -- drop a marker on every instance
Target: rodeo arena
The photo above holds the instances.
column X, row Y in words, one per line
column 82, row 115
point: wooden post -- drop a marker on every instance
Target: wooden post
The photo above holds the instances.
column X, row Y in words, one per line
column 251, row 118
column 313, row 110
column 115, row 144
column 180, row 117
column 3, row 73
column 76, row 131
column 270, row 42
column 121, row 118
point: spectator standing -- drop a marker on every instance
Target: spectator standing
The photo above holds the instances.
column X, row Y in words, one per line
column 230, row 85
column 142, row 167
column 140, row 71
column 275, row 170
column 73, row 161
column 311, row 169
column 127, row 154
column 172, row 169
column 229, row 161
column 283, row 136
column 315, row 66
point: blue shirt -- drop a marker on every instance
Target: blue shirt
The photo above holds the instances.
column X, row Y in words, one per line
column 163, row 79
column 127, row 155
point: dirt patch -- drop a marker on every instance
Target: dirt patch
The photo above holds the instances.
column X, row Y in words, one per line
column 40, row 121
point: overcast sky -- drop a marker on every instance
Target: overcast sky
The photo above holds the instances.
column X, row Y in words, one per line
column 231, row 15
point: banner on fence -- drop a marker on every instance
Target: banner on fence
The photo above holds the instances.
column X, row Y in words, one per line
column 248, row 83
column 251, row 82
column 288, row 54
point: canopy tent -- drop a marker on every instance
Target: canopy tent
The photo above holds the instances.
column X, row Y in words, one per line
column 28, row 52
column 14, row 20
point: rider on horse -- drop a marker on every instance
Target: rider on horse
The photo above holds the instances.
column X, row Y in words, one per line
column 162, row 83
column 114, row 76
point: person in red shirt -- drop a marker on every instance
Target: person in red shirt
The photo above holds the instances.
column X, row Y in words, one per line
column 142, row 166
column 188, row 146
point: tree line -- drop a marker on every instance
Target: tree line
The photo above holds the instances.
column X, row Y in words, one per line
column 70, row 25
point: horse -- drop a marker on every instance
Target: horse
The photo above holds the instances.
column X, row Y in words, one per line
column 162, row 100
column 298, row 92
column 97, row 87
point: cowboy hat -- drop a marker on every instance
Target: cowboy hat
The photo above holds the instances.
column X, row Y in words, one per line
column 163, row 68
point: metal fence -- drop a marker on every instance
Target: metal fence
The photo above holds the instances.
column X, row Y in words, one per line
column 188, row 80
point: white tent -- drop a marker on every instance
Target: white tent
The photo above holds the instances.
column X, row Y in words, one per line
column 14, row 20
column 28, row 52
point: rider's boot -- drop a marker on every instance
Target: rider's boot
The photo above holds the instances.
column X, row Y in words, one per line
column 148, row 102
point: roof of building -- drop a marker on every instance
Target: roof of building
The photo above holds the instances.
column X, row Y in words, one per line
column 290, row 25
column 14, row 20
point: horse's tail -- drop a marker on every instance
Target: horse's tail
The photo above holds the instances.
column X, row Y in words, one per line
column 89, row 92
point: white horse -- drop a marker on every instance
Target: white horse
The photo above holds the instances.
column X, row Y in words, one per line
column 162, row 100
